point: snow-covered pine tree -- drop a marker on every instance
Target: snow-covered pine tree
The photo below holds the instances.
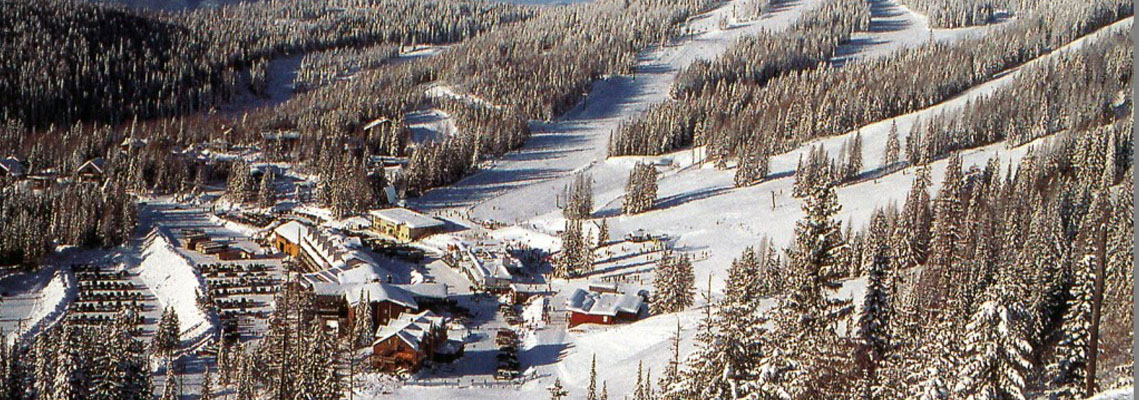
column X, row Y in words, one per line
column 166, row 338
column 362, row 331
column 995, row 360
column 1072, row 352
column 641, row 190
column 267, row 191
column 170, row 385
column 67, row 380
column 724, row 365
column 874, row 322
column 674, row 283
column 579, row 197
column 854, row 164
column 807, row 362
column 942, row 272
column 670, row 384
column 891, row 150
column 557, row 392
column 603, row 233
column 592, row 388
column 605, row 391
column 207, row 390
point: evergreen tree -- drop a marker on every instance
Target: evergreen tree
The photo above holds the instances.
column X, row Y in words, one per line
column 891, row 151
column 579, row 197
column 996, row 353
column 1068, row 371
column 873, row 326
column 556, row 390
column 603, row 233
column 806, row 361
column 674, row 282
column 641, row 191
column 855, row 157
column 267, row 191
column 592, row 388
column 362, row 329
column 170, row 385
column 207, row 392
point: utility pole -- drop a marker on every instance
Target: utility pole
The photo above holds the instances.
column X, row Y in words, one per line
column 1098, row 300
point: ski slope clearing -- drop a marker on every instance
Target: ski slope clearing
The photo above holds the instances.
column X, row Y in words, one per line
column 894, row 27
column 698, row 206
column 176, row 284
column 527, row 179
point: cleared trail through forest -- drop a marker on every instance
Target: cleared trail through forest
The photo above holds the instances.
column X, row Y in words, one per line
column 527, row 180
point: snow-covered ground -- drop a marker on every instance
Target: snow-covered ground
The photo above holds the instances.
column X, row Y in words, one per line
column 895, row 26
column 698, row 205
column 32, row 302
column 1128, row 393
column 177, row 284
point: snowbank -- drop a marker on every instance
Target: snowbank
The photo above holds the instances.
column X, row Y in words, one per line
column 1116, row 394
column 52, row 305
column 176, row 284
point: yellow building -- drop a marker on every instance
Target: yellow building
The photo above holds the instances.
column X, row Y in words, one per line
column 403, row 224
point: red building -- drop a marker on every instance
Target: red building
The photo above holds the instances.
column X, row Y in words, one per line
column 589, row 307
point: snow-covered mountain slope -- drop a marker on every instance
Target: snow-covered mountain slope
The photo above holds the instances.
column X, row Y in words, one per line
column 579, row 139
column 698, row 204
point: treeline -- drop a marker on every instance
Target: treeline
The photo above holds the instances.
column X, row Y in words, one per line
column 113, row 64
column 751, row 62
column 795, row 108
column 995, row 263
column 80, row 214
column 544, row 66
column 962, row 13
column 324, row 67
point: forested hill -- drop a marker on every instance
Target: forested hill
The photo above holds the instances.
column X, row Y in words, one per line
column 70, row 60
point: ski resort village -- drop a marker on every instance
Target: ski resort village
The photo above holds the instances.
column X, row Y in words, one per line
column 583, row 199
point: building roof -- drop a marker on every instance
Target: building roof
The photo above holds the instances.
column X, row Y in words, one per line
column 410, row 328
column 426, row 290
column 292, row 231
column 379, row 292
column 363, row 273
column 13, row 166
column 593, row 303
column 404, row 216
column 96, row 163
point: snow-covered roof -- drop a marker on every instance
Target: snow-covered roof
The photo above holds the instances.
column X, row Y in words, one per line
column 380, row 292
column 404, row 216
column 593, row 303
column 363, row 273
column 426, row 290
column 326, row 289
column 410, row 328
column 292, row 231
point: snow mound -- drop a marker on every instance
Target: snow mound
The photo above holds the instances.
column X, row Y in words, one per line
column 176, row 284
column 1116, row 394
column 56, row 295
